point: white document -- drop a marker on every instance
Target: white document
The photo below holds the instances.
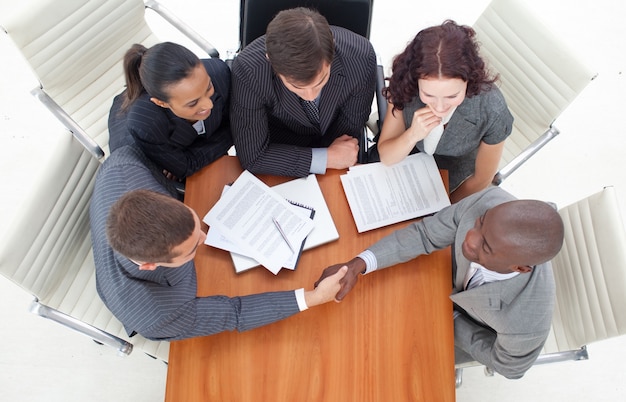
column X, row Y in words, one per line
column 243, row 215
column 243, row 262
column 380, row 195
column 304, row 191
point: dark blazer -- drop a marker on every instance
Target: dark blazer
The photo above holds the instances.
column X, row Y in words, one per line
column 162, row 304
column 169, row 141
column 271, row 131
column 503, row 324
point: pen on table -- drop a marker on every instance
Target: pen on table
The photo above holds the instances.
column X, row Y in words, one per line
column 283, row 234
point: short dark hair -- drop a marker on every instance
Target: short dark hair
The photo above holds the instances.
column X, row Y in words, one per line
column 448, row 50
column 298, row 42
column 155, row 69
column 145, row 226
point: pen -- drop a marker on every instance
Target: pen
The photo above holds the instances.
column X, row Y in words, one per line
column 282, row 233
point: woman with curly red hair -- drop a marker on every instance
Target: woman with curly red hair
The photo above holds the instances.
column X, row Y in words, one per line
column 443, row 101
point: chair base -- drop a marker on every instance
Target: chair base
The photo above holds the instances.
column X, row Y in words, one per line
column 577, row 354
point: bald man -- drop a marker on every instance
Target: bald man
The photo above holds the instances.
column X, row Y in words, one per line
column 503, row 290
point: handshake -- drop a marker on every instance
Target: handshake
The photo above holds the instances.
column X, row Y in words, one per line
column 336, row 282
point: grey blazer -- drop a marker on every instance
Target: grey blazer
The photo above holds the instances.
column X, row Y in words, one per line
column 162, row 304
column 271, row 131
column 503, row 324
column 482, row 118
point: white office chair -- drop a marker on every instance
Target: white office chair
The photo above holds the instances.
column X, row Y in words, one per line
column 590, row 275
column 539, row 76
column 76, row 47
column 590, row 272
column 45, row 246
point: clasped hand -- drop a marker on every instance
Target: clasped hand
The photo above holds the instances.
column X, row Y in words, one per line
column 355, row 267
column 343, row 152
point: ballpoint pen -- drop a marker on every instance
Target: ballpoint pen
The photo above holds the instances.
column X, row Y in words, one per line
column 282, row 233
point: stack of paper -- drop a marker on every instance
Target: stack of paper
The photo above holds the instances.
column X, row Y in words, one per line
column 241, row 222
column 380, row 195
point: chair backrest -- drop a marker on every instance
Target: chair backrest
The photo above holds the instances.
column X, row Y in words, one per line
column 355, row 15
column 75, row 48
column 539, row 76
column 45, row 246
column 590, row 274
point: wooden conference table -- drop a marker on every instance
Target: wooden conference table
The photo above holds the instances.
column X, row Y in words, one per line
column 391, row 339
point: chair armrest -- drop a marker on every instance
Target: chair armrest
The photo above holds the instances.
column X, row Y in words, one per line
column 577, row 354
column 381, row 102
column 375, row 122
column 525, row 155
column 123, row 347
column 182, row 27
column 58, row 112
column 364, row 146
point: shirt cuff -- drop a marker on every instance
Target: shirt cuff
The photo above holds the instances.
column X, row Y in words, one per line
column 300, row 299
column 319, row 157
column 370, row 261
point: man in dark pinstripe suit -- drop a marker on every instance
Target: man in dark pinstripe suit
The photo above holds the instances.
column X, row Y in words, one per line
column 144, row 241
column 301, row 96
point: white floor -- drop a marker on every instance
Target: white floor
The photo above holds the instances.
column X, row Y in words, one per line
column 42, row 361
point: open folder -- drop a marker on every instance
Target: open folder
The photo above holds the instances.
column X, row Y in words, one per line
column 302, row 197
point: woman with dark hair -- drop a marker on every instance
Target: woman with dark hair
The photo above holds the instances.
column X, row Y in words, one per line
column 175, row 108
column 443, row 101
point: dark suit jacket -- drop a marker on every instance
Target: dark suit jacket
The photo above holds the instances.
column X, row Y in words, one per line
column 162, row 304
column 503, row 324
column 271, row 131
column 169, row 141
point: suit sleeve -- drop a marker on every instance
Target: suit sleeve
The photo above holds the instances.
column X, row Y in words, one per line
column 445, row 228
column 213, row 314
column 423, row 237
column 499, row 124
column 355, row 112
column 184, row 161
column 502, row 352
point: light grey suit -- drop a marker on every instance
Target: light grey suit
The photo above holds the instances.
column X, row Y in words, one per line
column 503, row 324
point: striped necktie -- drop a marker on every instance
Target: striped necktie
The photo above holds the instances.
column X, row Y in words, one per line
column 311, row 110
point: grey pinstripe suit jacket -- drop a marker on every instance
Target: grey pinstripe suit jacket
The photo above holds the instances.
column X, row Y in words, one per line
column 162, row 304
column 503, row 324
column 270, row 130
